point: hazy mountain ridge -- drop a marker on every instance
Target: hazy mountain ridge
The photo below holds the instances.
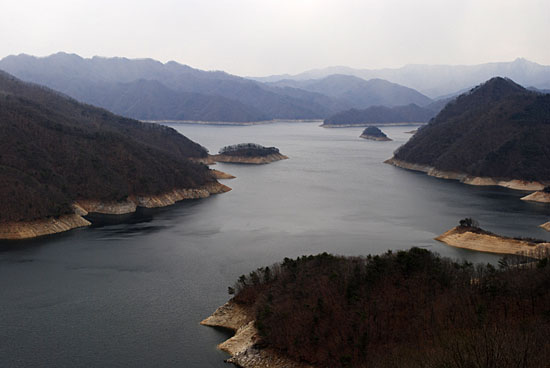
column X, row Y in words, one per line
column 192, row 94
column 54, row 150
column 499, row 130
column 438, row 80
column 358, row 92
column 152, row 100
column 88, row 79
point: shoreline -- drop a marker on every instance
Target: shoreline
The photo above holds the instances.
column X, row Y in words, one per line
column 242, row 346
column 538, row 196
column 352, row 125
column 489, row 243
column 18, row 230
column 256, row 160
column 515, row 184
column 233, row 123
column 374, row 138
column 220, row 175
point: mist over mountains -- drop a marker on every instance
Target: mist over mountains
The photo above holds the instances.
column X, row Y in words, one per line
column 437, row 81
column 147, row 89
column 358, row 92
column 150, row 90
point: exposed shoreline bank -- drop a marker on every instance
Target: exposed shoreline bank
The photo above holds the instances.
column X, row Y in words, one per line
column 374, row 138
column 481, row 241
column 242, row 346
column 468, row 179
column 221, row 175
column 538, row 196
column 48, row 226
column 256, row 160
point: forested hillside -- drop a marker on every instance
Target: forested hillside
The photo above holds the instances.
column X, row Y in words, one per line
column 405, row 309
column 54, row 150
column 498, row 129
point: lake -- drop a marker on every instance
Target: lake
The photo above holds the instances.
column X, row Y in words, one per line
column 131, row 291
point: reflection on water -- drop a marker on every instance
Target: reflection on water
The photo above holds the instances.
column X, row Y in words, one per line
column 130, row 290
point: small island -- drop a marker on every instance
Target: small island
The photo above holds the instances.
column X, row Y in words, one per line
column 388, row 310
column 468, row 235
column 248, row 153
column 375, row 134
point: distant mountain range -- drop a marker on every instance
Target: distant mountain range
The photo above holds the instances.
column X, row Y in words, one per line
column 147, row 89
column 150, row 90
column 358, row 92
column 437, row 81
column 497, row 130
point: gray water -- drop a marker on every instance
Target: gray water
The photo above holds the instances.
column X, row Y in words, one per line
column 131, row 291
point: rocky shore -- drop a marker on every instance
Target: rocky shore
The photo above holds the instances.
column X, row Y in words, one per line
column 242, row 346
column 221, row 175
column 538, row 196
column 257, row 160
column 467, row 179
column 48, row 226
column 375, row 138
column 482, row 241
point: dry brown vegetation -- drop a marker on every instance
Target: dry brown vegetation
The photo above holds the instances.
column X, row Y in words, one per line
column 405, row 309
column 248, row 150
column 54, row 150
column 497, row 130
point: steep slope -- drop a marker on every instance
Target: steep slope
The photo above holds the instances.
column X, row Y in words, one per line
column 359, row 93
column 85, row 79
column 55, row 151
column 497, row 130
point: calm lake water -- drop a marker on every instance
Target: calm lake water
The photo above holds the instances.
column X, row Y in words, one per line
column 131, row 292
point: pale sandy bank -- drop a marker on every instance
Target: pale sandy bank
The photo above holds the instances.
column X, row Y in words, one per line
column 241, row 346
column 48, row 226
column 465, row 178
column 221, row 175
column 538, row 196
column 486, row 242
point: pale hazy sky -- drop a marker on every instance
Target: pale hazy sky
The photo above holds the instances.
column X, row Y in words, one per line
column 261, row 37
